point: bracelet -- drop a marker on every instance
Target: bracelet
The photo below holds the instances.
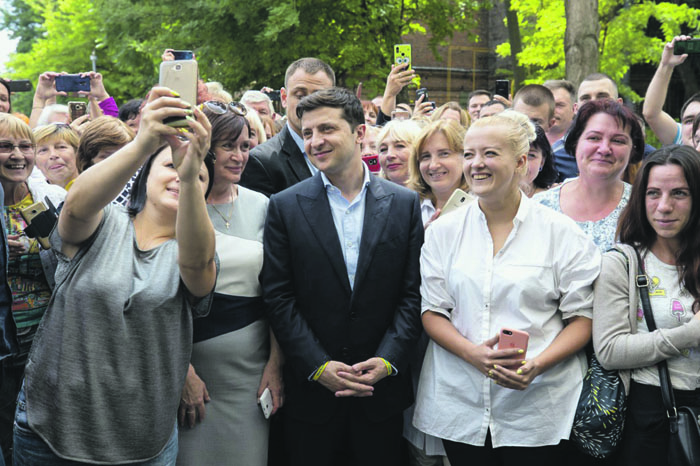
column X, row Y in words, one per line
column 319, row 371
column 388, row 366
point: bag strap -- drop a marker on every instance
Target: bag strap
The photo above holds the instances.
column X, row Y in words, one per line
column 664, row 378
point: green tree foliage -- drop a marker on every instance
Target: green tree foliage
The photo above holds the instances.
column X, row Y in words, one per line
column 241, row 44
column 624, row 39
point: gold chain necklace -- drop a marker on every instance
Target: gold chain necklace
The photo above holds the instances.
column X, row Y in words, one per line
column 226, row 219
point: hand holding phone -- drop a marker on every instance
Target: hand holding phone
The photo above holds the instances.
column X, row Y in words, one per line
column 76, row 110
column 181, row 77
column 690, row 46
column 266, row 403
column 509, row 338
column 402, row 55
column 40, row 223
column 502, row 88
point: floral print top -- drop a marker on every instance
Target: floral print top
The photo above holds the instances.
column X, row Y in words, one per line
column 602, row 232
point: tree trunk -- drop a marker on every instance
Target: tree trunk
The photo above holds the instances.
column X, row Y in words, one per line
column 581, row 39
column 516, row 46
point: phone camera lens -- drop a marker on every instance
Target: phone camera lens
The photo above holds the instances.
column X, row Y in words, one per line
column 178, row 67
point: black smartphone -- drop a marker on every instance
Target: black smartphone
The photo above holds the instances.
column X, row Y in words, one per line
column 502, row 88
column 273, row 95
column 183, row 54
column 420, row 92
column 686, row 46
column 20, row 85
column 72, row 83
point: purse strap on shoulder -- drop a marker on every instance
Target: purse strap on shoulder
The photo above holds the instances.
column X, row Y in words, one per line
column 642, row 281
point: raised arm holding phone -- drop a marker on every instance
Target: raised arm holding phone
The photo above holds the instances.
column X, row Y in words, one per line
column 114, row 346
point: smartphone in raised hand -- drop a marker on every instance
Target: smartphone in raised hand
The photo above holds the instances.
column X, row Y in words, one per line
column 181, row 77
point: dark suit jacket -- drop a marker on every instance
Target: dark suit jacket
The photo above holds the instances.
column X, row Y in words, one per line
column 315, row 314
column 275, row 165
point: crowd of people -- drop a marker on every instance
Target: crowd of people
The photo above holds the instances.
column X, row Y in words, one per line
column 329, row 287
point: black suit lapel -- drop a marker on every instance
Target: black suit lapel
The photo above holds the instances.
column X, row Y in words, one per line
column 294, row 157
column 317, row 211
column 377, row 207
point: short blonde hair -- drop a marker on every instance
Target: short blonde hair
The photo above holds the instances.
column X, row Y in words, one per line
column 216, row 91
column 255, row 124
column 399, row 130
column 454, row 133
column 57, row 132
column 13, row 127
column 519, row 131
column 464, row 119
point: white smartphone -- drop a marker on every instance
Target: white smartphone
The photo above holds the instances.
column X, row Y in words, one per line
column 266, row 403
column 457, row 199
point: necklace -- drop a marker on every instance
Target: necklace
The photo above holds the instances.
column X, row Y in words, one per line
column 226, row 218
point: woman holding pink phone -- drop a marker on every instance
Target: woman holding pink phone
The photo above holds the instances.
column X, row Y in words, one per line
column 500, row 263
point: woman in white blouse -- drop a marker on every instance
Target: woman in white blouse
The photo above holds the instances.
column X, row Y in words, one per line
column 504, row 261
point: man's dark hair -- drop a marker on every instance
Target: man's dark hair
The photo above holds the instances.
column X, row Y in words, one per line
column 495, row 102
column 310, row 65
column 479, row 92
column 568, row 86
column 335, row 97
column 599, row 76
column 535, row 95
column 130, row 110
column 693, row 98
column 625, row 118
column 137, row 197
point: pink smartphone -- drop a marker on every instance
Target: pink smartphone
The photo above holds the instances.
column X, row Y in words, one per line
column 372, row 162
column 511, row 338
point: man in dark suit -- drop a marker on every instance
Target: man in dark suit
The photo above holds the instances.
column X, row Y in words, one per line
column 280, row 162
column 341, row 280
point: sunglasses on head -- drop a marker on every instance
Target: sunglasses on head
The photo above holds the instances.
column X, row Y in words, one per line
column 220, row 108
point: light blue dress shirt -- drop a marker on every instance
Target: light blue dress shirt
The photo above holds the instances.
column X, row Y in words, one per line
column 300, row 143
column 348, row 217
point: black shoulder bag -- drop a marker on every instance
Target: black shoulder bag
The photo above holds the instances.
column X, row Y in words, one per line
column 684, row 421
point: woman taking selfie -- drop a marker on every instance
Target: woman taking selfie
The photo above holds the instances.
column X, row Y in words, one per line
column 104, row 378
column 498, row 263
column 661, row 221
column 30, row 269
column 235, row 355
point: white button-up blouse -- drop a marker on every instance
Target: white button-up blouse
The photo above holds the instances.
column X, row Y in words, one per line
column 542, row 276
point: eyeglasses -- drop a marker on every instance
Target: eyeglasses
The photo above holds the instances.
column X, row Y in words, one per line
column 6, row 147
column 220, row 108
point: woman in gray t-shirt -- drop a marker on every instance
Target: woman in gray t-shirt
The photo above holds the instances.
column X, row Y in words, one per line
column 103, row 380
